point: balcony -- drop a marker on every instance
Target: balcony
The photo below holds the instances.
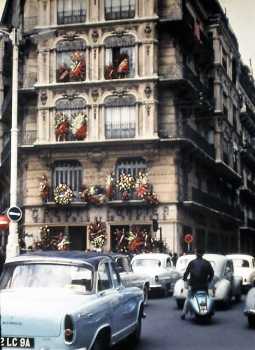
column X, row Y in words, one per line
column 27, row 137
column 76, row 201
column 119, row 12
column 72, row 16
column 119, row 130
column 213, row 203
column 29, row 23
column 185, row 133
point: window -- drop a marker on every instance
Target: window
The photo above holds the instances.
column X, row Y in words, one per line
column 69, row 173
column 104, row 277
column 120, row 116
column 130, row 166
column 71, row 11
column 115, row 276
column 119, row 57
column 71, row 119
column 119, row 9
column 71, row 65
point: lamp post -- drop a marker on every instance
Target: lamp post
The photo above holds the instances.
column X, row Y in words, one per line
column 12, row 248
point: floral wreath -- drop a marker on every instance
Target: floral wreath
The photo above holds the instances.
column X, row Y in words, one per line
column 97, row 233
column 63, row 194
column 61, row 124
column 94, row 194
column 79, row 125
column 125, row 185
column 144, row 189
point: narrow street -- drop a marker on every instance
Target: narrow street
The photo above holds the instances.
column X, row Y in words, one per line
column 163, row 329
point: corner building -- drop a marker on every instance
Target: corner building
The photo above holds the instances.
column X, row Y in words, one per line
column 155, row 85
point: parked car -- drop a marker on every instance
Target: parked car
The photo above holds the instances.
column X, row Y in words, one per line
column 159, row 268
column 244, row 266
column 224, row 286
column 67, row 300
column 130, row 278
column 249, row 309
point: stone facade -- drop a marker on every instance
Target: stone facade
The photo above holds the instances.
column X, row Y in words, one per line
column 180, row 106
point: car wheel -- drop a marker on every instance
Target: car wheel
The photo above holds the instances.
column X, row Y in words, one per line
column 135, row 337
column 146, row 295
column 179, row 303
column 101, row 342
column 251, row 321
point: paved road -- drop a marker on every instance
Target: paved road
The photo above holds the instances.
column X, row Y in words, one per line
column 164, row 330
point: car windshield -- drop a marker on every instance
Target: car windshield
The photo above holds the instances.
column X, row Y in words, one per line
column 240, row 263
column 123, row 264
column 76, row 278
column 146, row 263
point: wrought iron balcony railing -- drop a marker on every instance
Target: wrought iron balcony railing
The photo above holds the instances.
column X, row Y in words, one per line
column 119, row 12
column 119, row 130
column 72, row 16
column 214, row 203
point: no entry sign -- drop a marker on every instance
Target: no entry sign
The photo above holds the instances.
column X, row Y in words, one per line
column 14, row 214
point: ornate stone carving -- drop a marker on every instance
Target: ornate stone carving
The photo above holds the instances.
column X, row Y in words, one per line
column 44, row 97
column 95, row 94
column 119, row 32
column 120, row 92
column 147, row 29
column 70, row 35
column 148, row 91
column 70, row 94
column 97, row 158
column 95, row 35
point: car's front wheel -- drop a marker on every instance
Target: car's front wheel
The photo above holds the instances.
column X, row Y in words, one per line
column 101, row 342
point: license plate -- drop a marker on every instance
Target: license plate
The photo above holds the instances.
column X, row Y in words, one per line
column 17, row 342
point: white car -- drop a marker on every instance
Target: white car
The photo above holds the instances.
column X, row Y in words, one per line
column 244, row 266
column 159, row 268
column 224, row 286
column 249, row 309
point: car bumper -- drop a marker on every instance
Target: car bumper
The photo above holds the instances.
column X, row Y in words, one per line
column 248, row 312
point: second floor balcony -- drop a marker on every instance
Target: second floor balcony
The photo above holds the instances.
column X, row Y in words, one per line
column 71, row 16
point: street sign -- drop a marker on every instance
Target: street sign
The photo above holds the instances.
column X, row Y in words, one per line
column 14, row 214
column 188, row 238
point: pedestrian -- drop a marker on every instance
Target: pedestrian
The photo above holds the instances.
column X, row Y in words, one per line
column 200, row 274
column 174, row 258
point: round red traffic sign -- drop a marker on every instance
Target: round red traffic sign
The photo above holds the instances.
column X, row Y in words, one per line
column 4, row 222
column 188, row 238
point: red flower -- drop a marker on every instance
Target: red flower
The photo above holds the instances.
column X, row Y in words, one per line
column 81, row 132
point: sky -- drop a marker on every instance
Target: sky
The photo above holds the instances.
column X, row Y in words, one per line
column 241, row 14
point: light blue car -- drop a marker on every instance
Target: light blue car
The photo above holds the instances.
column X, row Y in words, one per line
column 67, row 300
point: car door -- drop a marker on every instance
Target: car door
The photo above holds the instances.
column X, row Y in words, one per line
column 125, row 311
column 229, row 275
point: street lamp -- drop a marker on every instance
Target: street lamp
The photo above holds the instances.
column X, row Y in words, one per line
column 12, row 248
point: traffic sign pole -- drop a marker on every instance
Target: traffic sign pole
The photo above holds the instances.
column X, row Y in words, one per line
column 14, row 213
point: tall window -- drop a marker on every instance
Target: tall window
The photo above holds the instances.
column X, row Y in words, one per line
column 71, row 64
column 71, row 11
column 130, row 166
column 119, row 57
column 68, row 172
column 120, row 117
column 71, row 119
column 119, row 9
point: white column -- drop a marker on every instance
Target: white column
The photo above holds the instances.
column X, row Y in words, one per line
column 12, row 248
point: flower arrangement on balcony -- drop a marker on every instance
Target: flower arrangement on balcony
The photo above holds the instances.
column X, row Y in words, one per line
column 62, row 126
column 93, row 194
column 119, row 70
column 44, row 188
column 110, row 184
column 79, row 125
column 125, row 185
column 144, row 189
column 74, row 69
column 97, row 233
column 63, row 194
column 136, row 240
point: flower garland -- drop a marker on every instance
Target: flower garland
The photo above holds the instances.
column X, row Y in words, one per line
column 97, row 233
column 144, row 189
column 94, row 195
column 61, row 124
column 44, row 187
column 125, row 185
column 79, row 125
column 63, row 194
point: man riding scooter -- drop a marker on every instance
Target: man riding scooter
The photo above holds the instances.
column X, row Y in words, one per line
column 201, row 274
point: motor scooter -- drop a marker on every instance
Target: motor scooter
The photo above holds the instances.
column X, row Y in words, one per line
column 201, row 305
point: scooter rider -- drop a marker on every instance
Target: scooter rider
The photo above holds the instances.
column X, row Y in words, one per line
column 201, row 274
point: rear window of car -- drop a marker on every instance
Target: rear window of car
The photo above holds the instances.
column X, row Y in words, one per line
column 240, row 263
column 76, row 278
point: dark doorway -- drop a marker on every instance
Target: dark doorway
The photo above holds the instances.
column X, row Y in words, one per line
column 78, row 237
